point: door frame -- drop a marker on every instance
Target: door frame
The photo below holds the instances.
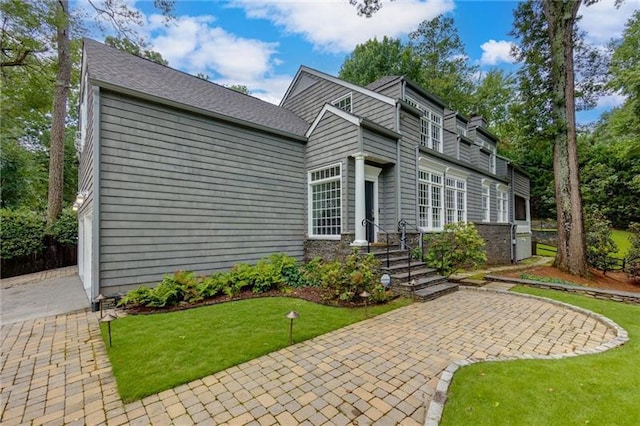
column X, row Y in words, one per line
column 371, row 174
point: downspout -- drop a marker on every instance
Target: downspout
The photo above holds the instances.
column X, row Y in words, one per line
column 398, row 167
column 514, row 225
column 417, row 184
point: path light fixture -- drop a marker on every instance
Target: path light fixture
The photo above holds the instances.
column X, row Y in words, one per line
column 108, row 318
column 385, row 280
column 75, row 206
column 99, row 299
column 365, row 295
column 292, row 315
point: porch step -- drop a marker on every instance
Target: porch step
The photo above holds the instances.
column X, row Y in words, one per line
column 433, row 292
column 401, row 266
column 416, row 273
column 405, row 288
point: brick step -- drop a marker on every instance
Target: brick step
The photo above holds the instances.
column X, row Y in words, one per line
column 404, row 287
column 381, row 253
column 433, row 292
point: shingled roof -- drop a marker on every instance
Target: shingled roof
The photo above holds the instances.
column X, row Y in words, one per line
column 382, row 82
column 116, row 68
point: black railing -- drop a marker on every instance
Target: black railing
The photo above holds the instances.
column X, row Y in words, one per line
column 402, row 228
column 366, row 222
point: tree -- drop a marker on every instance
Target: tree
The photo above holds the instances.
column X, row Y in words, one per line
column 492, row 99
column 548, row 35
column 240, row 88
column 375, row 59
column 37, row 47
column 59, row 115
column 625, row 63
column 445, row 65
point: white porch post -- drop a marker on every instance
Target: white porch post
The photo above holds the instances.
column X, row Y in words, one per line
column 360, row 214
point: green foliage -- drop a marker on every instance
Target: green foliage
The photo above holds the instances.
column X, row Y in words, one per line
column 21, row 233
column 139, row 297
column 65, row 229
column 346, row 280
column 375, row 59
column 551, row 280
column 138, row 49
column 601, row 248
column 633, row 257
column 458, row 246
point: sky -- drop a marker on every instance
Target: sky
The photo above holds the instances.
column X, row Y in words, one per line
column 261, row 44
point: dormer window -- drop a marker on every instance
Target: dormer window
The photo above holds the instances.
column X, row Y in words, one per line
column 461, row 130
column 344, row 103
column 430, row 125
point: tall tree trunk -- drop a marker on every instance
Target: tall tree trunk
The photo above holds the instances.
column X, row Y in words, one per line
column 571, row 255
column 59, row 115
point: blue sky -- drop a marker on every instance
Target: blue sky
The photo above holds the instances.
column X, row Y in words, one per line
column 261, row 44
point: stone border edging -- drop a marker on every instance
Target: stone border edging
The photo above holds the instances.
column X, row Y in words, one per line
column 603, row 294
column 436, row 406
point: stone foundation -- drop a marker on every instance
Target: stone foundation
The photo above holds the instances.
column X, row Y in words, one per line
column 498, row 242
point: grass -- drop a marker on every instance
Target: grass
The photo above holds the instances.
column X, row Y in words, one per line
column 551, row 280
column 152, row 353
column 596, row 389
column 621, row 238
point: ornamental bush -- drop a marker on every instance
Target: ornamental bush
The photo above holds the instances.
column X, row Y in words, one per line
column 21, row 233
column 633, row 257
column 600, row 245
column 458, row 246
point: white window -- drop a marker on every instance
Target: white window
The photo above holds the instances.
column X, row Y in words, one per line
column 461, row 130
column 344, row 103
column 486, row 203
column 430, row 209
column 325, row 202
column 503, row 204
column 455, row 200
column 430, row 126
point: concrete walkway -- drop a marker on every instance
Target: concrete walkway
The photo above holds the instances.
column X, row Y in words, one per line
column 381, row 371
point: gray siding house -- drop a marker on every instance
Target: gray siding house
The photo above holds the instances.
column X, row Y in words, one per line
column 178, row 173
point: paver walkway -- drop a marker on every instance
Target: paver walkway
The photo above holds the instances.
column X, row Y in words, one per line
column 381, row 371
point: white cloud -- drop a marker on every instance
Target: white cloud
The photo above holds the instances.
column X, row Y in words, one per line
column 611, row 101
column 494, row 52
column 335, row 27
column 603, row 20
column 195, row 44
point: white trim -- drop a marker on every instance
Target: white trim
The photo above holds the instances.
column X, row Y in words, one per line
column 457, row 173
column 502, row 196
column 336, row 80
column 485, row 183
column 341, row 98
column 310, row 183
column 334, row 110
column 371, row 174
column 432, row 165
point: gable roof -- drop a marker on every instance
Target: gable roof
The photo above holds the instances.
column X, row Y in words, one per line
column 383, row 81
column 115, row 69
column 354, row 87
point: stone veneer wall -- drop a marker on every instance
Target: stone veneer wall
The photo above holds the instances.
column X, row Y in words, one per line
column 498, row 242
column 497, row 237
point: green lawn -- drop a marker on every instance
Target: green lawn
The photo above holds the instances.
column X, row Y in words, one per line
column 621, row 238
column 152, row 353
column 601, row 389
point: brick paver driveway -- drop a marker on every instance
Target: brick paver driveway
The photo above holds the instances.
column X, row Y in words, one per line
column 380, row 371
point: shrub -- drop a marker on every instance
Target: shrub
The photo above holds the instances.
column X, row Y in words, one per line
column 633, row 257
column 139, row 297
column 346, row 280
column 600, row 244
column 65, row 229
column 458, row 246
column 21, row 233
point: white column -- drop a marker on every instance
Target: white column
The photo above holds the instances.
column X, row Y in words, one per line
column 360, row 214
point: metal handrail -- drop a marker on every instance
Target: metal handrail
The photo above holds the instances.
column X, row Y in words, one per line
column 366, row 221
column 402, row 227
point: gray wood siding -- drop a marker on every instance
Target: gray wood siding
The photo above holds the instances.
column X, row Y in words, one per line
column 387, row 199
column 483, row 160
column 449, row 136
column 410, row 129
column 86, row 163
column 307, row 103
column 465, row 152
column 521, row 184
column 181, row 191
column 333, row 141
column 379, row 146
column 393, row 91
column 418, row 97
column 501, row 166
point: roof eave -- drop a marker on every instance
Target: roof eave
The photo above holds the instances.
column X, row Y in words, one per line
column 202, row 111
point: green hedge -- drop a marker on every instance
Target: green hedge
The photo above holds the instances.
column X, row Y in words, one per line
column 23, row 231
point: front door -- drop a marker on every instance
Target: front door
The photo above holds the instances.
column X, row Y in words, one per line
column 369, row 205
